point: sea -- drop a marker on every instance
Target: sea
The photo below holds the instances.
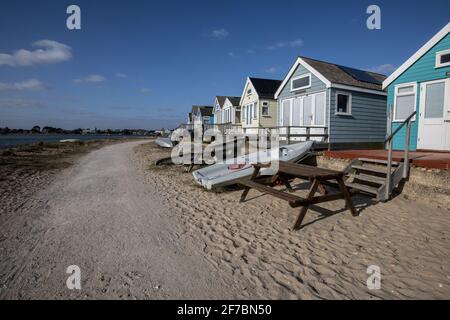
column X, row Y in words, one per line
column 11, row 140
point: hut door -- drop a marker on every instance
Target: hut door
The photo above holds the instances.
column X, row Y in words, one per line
column 434, row 115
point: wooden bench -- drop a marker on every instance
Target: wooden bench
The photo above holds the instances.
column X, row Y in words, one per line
column 288, row 171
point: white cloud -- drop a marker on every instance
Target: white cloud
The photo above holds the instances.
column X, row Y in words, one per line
column 286, row 44
column 47, row 52
column 233, row 55
column 145, row 91
column 27, row 85
column 271, row 70
column 296, row 43
column 20, row 103
column 219, row 33
column 121, row 75
column 386, row 69
column 93, row 78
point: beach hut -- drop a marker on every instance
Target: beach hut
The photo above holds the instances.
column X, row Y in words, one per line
column 422, row 84
column 189, row 118
column 341, row 106
column 202, row 115
column 258, row 104
column 218, row 105
column 231, row 110
column 227, row 110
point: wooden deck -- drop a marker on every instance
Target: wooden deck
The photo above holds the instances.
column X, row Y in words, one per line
column 425, row 159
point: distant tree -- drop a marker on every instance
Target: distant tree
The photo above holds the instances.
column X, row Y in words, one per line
column 36, row 129
column 4, row 130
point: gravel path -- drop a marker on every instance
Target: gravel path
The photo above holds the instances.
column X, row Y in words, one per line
column 101, row 216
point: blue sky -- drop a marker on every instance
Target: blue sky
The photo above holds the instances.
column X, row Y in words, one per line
column 142, row 64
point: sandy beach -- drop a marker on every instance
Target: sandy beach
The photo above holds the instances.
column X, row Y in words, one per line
column 328, row 258
column 143, row 232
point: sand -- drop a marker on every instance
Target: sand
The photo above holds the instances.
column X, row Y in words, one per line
column 328, row 258
column 143, row 232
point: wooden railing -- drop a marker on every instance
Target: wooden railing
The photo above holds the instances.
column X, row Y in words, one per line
column 288, row 132
column 389, row 145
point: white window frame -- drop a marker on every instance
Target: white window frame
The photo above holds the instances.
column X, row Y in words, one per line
column 399, row 86
column 265, row 106
column 349, row 111
column 255, row 111
column 300, row 77
column 438, row 59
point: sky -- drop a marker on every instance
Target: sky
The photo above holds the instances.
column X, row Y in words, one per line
column 143, row 64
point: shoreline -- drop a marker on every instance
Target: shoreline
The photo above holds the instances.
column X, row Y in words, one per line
column 8, row 141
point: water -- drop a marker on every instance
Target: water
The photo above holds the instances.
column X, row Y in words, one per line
column 11, row 140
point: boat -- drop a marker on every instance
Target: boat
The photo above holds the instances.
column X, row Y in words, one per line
column 164, row 142
column 195, row 153
column 69, row 140
column 229, row 172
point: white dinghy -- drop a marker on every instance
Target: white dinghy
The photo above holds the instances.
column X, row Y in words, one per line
column 228, row 173
column 164, row 142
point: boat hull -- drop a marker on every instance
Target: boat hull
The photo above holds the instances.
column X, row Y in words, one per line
column 164, row 142
column 225, row 174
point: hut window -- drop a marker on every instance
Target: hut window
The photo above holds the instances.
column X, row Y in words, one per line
column 301, row 82
column 343, row 103
column 443, row 59
column 265, row 108
column 404, row 101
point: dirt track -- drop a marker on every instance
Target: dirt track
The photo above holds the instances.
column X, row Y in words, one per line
column 100, row 216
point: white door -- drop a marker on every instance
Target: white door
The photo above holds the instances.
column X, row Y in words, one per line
column 297, row 112
column 308, row 111
column 286, row 113
column 434, row 115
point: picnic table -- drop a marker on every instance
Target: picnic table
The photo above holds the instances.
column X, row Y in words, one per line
column 318, row 178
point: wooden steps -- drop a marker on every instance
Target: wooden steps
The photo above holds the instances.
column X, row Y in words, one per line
column 381, row 170
column 377, row 161
column 370, row 176
column 363, row 188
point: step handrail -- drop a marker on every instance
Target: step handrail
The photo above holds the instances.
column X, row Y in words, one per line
column 405, row 172
column 400, row 127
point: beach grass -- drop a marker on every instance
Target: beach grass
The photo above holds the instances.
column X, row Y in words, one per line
column 47, row 156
